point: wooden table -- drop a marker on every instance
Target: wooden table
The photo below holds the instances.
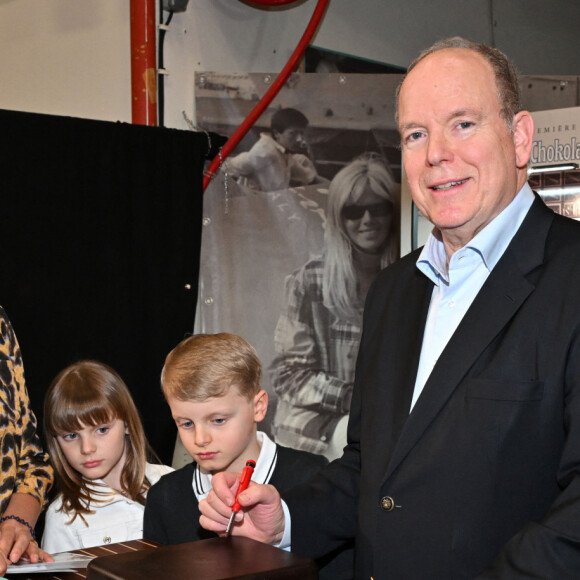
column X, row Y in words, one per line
column 215, row 559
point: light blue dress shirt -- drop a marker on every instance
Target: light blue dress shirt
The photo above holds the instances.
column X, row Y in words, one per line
column 457, row 285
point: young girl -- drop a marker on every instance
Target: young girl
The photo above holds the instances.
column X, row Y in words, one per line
column 98, row 448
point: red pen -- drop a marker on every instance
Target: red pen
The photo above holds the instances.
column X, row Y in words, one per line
column 244, row 482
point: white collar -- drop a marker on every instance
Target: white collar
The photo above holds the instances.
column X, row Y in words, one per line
column 277, row 145
column 265, row 465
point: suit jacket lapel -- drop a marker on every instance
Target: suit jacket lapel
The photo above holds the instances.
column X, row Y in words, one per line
column 499, row 299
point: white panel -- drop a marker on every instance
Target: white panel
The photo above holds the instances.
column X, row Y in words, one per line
column 66, row 58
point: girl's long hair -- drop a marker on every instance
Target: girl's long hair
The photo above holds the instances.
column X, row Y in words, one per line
column 339, row 283
column 90, row 393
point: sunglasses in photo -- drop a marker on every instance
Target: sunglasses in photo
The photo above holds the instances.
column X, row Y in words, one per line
column 356, row 212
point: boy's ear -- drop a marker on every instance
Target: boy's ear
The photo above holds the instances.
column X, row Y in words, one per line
column 260, row 405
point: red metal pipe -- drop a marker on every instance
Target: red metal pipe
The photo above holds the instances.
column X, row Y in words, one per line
column 143, row 63
column 270, row 93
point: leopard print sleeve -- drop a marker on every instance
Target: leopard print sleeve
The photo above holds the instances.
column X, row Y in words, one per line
column 25, row 466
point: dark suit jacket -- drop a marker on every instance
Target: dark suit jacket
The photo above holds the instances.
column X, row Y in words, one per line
column 484, row 473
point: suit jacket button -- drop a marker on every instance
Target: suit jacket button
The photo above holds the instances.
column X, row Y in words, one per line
column 387, row 503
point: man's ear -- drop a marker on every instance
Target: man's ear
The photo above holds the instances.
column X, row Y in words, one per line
column 260, row 405
column 275, row 135
column 523, row 131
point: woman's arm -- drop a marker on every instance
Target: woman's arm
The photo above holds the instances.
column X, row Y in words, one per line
column 23, row 459
column 26, row 472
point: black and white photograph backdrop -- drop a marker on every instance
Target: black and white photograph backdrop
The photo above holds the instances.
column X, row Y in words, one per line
column 297, row 222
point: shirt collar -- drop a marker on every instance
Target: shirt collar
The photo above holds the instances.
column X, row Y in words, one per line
column 277, row 145
column 101, row 493
column 490, row 243
column 265, row 465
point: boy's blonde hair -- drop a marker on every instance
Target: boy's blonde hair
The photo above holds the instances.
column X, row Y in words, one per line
column 207, row 365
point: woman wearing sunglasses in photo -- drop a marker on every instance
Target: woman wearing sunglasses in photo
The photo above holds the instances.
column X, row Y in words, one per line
column 318, row 332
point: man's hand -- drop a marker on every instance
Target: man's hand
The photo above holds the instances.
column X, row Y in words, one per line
column 261, row 516
column 302, row 170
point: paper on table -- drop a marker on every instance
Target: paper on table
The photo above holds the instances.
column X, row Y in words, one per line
column 63, row 562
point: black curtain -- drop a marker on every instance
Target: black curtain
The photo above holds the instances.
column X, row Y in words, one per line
column 101, row 233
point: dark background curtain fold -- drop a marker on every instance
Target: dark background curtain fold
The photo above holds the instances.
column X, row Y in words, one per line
column 101, row 234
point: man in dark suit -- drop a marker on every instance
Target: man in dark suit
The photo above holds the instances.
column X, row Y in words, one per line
column 463, row 455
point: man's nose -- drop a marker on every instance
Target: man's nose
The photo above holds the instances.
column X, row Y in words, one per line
column 438, row 148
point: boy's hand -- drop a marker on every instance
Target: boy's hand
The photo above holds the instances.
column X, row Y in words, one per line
column 261, row 516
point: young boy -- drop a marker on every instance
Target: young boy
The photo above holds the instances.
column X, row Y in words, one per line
column 212, row 384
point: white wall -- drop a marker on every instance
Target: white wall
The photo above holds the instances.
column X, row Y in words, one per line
column 72, row 58
column 66, row 58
